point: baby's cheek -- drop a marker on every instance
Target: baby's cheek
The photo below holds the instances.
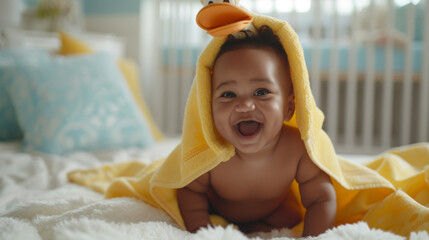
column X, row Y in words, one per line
column 276, row 111
column 274, row 107
column 220, row 117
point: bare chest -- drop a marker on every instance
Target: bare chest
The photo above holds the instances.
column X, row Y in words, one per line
column 239, row 182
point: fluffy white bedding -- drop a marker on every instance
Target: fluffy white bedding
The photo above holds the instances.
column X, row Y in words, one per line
column 37, row 202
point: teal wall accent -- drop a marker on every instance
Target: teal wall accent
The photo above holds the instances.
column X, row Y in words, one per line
column 103, row 7
column 31, row 3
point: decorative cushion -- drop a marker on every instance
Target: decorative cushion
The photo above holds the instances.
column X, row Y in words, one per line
column 66, row 104
column 9, row 128
column 71, row 45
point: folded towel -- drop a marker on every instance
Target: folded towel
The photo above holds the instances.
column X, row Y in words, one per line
column 370, row 193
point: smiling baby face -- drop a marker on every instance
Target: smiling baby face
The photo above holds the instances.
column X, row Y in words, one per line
column 251, row 97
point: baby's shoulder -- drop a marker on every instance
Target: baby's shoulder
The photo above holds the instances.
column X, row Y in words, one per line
column 292, row 137
column 291, row 129
column 291, row 133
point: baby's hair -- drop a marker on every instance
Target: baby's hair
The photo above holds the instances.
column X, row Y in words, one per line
column 264, row 37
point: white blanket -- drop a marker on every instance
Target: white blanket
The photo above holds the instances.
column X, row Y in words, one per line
column 37, row 202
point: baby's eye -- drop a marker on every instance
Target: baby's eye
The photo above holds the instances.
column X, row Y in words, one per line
column 261, row 92
column 228, row 95
column 207, row 2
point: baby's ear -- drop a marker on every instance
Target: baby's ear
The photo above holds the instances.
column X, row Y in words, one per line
column 290, row 107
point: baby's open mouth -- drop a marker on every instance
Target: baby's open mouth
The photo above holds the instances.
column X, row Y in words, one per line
column 248, row 128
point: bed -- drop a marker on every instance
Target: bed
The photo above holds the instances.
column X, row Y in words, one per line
column 37, row 202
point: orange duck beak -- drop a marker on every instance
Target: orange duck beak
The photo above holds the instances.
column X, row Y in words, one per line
column 221, row 19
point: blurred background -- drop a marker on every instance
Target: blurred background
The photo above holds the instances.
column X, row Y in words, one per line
column 368, row 60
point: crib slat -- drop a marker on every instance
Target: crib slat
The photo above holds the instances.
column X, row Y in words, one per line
column 423, row 130
column 351, row 85
column 150, row 55
column 172, row 71
column 275, row 12
column 368, row 105
column 407, row 88
column 315, row 54
column 181, row 30
column 187, row 65
column 293, row 17
column 332, row 107
column 166, row 68
column 162, row 77
column 386, row 112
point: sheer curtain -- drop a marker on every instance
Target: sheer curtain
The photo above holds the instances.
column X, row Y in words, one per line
column 171, row 42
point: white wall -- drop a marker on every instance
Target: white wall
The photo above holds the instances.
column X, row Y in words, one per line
column 123, row 25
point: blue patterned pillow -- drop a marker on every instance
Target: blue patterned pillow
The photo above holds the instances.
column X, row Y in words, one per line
column 9, row 128
column 76, row 103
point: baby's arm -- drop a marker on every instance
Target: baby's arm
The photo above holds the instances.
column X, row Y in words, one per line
column 193, row 203
column 317, row 196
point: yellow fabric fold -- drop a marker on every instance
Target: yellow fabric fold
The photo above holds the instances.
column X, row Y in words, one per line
column 363, row 192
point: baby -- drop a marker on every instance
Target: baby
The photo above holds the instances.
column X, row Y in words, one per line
column 252, row 96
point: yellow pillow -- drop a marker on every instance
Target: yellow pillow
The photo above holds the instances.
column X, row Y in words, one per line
column 131, row 73
column 71, row 45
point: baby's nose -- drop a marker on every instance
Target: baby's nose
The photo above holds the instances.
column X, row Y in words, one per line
column 245, row 105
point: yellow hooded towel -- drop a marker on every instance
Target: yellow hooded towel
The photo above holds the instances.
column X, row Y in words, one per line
column 391, row 193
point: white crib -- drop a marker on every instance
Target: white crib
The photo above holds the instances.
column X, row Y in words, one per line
column 368, row 63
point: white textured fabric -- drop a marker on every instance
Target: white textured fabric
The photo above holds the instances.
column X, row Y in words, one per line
column 37, row 202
